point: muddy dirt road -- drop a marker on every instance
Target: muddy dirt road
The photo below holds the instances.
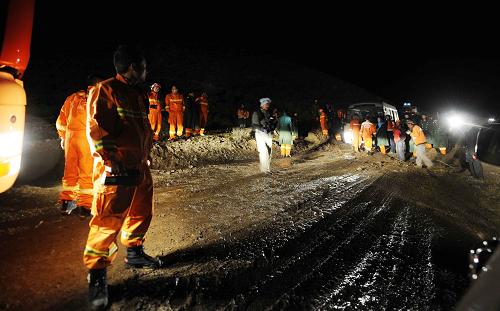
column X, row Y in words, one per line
column 327, row 230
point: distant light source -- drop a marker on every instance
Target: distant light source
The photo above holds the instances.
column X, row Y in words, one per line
column 407, row 104
column 455, row 120
column 491, row 120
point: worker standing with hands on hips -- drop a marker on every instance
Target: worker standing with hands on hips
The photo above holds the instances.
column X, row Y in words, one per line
column 77, row 190
column 122, row 139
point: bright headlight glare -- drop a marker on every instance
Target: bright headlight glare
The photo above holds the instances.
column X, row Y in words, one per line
column 455, row 121
column 11, row 144
column 348, row 136
column 15, row 165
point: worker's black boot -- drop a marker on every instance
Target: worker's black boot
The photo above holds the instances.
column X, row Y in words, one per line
column 137, row 258
column 98, row 289
column 67, row 206
column 83, row 212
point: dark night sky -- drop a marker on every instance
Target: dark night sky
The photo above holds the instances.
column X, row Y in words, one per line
column 435, row 57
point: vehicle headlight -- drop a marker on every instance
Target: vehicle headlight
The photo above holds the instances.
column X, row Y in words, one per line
column 11, row 144
column 348, row 136
column 455, row 121
column 11, row 147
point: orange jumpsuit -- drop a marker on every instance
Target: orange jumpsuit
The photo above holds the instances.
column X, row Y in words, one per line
column 155, row 114
column 174, row 104
column 322, row 122
column 203, row 113
column 71, row 126
column 355, row 126
column 390, row 125
column 120, row 131
column 367, row 131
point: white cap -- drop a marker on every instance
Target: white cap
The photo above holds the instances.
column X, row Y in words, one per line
column 264, row 101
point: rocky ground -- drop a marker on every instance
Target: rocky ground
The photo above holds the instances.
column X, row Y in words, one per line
column 329, row 229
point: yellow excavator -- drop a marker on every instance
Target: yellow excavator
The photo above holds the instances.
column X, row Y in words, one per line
column 14, row 57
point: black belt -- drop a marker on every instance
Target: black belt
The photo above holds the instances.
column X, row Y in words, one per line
column 153, row 106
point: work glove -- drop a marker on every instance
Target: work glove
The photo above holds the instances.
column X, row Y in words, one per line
column 62, row 143
column 115, row 168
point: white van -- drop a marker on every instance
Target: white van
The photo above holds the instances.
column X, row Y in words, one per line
column 363, row 109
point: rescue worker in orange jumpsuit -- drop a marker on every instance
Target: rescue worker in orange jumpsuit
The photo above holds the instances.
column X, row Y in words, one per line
column 77, row 190
column 243, row 115
column 121, row 141
column 418, row 137
column 368, row 129
column 322, row 122
column 390, row 132
column 155, row 111
column 174, row 104
column 203, row 105
column 355, row 127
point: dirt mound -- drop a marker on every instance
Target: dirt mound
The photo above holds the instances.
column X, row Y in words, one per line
column 236, row 146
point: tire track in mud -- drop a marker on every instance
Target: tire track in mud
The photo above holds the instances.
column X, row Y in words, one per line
column 316, row 252
column 377, row 282
column 387, row 258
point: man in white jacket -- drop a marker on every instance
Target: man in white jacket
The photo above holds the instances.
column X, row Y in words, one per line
column 264, row 127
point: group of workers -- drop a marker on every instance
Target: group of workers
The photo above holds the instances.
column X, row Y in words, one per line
column 108, row 130
column 400, row 137
column 187, row 116
column 410, row 137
